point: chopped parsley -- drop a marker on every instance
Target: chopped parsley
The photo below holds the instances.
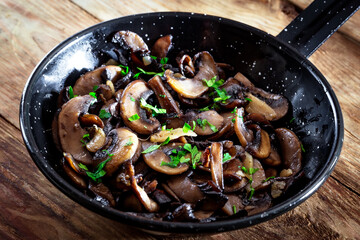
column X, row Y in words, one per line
column 267, row 179
column 252, row 191
column 222, row 94
column 98, row 173
column 178, row 157
column 95, row 88
column 302, row 148
column 71, row 92
column 142, row 71
column 129, row 143
column 104, row 114
column 162, row 95
column 155, row 147
column 153, row 109
column 250, row 171
column 124, row 70
column 93, row 94
column 132, row 99
column 134, row 117
column 248, row 99
column 226, row 157
column 203, row 122
column 164, row 61
column 85, row 139
column 186, row 127
column 234, row 209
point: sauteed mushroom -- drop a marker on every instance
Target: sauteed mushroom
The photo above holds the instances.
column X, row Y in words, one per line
column 174, row 143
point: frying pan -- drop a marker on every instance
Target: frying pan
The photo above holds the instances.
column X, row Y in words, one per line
column 276, row 64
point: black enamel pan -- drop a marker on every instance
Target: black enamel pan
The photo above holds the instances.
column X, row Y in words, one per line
column 277, row 64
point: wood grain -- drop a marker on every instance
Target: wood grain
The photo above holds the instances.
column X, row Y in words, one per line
column 32, row 208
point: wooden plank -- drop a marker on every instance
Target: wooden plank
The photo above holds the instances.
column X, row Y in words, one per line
column 35, row 209
column 350, row 28
column 27, row 33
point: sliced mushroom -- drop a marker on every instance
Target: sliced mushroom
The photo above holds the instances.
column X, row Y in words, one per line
column 185, row 189
column 233, row 205
column 195, row 87
column 236, row 91
column 227, row 130
column 245, row 136
column 130, row 106
column 155, row 158
column 97, row 141
column 162, row 135
column 126, row 147
column 186, row 66
column 274, row 158
column 88, row 120
column 234, row 177
column 149, row 204
column 130, row 40
column 216, row 157
column 278, row 103
column 75, row 177
column 290, row 148
column 260, row 147
column 103, row 192
column 213, row 118
column 259, row 176
column 162, row 46
column 89, row 80
column 165, row 99
column 69, row 128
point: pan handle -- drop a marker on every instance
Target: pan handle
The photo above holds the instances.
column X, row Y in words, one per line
column 313, row 26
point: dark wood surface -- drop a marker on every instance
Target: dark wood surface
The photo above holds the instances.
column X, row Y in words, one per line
column 31, row 208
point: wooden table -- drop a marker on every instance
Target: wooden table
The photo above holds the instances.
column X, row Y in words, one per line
column 31, row 208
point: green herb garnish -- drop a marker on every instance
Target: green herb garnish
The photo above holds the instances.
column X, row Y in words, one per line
column 248, row 99
column 98, row 173
column 124, row 69
column 226, row 157
column 302, row 148
column 164, row 60
column 134, row 117
column 153, row 109
column 104, row 114
column 85, row 139
column 129, row 143
column 71, row 92
column 291, row 120
column 252, row 191
column 186, row 128
column 142, row 71
column 234, row 209
column 161, row 95
column 267, row 179
column 154, row 147
column 203, row 122
column 132, row 99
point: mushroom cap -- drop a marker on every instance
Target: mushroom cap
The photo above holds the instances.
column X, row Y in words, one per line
column 290, row 149
column 213, row 118
column 194, row 87
column 162, row 46
column 70, row 131
column 155, row 158
column 131, row 40
column 136, row 90
column 123, row 150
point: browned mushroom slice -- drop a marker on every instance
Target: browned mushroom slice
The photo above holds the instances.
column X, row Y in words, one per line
column 70, row 131
column 185, row 189
column 258, row 106
column 97, row 141
column 131, row 40
column 259, row 176
column 260, row 203
column 162, row 46
column 126, row 147
column 86, row 82
column 155, row 158
column 194, row 87
column 227, row 130
column 208, row 122
column 274, row 158
column 73, row 175
column 172, row 134
column 130, row 107
column 278, row 103
column 88, row 120
column 290, row 149
column 234, row 177
column 216, row 157
column 149, row 204
column 245, row 136
column 236, row 91
column 103, row 192
column 165, row 99
column 260, row 147
column 233, row 205
column 186, row 66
